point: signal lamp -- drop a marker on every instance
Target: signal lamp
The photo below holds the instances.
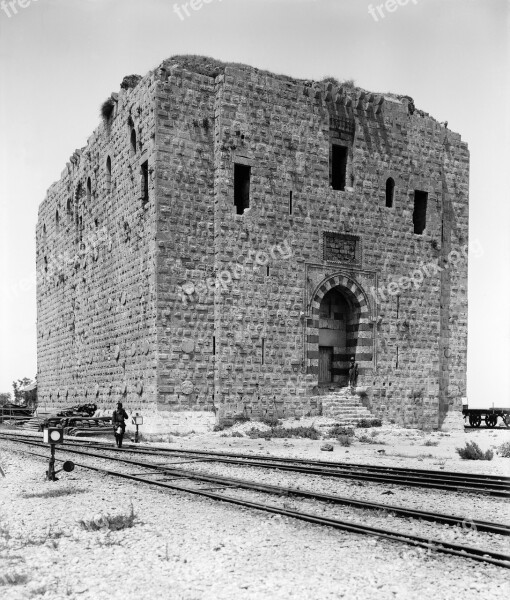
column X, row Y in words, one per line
column 53, row 435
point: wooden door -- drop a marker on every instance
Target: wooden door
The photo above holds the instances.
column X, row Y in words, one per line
column 325, row 364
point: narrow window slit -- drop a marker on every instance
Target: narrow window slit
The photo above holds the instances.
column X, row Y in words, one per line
column 338, row 166
column 108, row 174
column 390, row 192
column 420, row 211
column 145, row 183
column 242, row 177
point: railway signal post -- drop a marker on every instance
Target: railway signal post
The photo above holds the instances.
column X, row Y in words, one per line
column 54, row 436
column 137, row 420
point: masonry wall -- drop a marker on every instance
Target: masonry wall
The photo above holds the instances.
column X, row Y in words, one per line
column 185, row 240
column 282, row 129
column 96, row 291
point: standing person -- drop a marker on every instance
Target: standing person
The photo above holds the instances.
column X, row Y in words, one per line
column 353, row 373
column 119, row 426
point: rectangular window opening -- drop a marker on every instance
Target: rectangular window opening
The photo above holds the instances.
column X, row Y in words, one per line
column 242, row 176
column 338, row 167
column 267, row 271
column 420, row 211
column 263, row 349
column 214, row 345
column 290, row 203
column 145, row 184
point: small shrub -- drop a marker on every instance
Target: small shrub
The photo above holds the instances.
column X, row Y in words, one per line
column 241, row 419
column 431, row 443
column 109, row 522
column 366, row 423
column 344, row 440
column 130, row 81
column 237, row 434
column 337, row 430
column 107, row 109
column 504, row 450
column 365, row 439
column 280, row 432
column 204, row 65
column 473, row 452
column 330, row 79
column 271, row 421
column 227, row 424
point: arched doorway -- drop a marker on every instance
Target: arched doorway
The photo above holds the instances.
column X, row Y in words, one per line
column 339, row 327
column 338, row 320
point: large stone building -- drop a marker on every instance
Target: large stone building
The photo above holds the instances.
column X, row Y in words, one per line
column 229, row 238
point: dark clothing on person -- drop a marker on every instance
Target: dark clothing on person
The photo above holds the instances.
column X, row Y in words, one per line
column 118, row 418
column 353, row 374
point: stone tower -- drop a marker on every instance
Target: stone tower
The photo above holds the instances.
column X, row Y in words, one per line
column 229, row 238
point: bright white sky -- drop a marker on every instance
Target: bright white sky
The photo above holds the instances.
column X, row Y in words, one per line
column 61, row 58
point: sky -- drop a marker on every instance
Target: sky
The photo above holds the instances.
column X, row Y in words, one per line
column 60, row 59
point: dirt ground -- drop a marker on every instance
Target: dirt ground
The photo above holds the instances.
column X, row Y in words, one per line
column 184, row 547
column 393, row 445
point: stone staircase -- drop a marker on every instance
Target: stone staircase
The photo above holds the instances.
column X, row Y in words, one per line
column 345, row 407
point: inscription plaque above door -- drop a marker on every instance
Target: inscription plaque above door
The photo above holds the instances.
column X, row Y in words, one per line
column 342, row 248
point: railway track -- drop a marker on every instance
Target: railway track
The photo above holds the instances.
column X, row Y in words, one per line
column 167, row 474
column 445, row 480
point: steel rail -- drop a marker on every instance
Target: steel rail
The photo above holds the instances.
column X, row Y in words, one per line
column 485, row 526
column 477, row 478
column 323, row 463
column 470, row 552
column 497, row 488
column 500, row 481
column 363, row 472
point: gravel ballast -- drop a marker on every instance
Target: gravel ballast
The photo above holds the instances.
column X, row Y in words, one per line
column 182, row 546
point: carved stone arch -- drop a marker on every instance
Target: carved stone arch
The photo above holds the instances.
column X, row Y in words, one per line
column 349, row 286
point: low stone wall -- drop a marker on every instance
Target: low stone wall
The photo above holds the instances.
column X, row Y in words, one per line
column 167, row 422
